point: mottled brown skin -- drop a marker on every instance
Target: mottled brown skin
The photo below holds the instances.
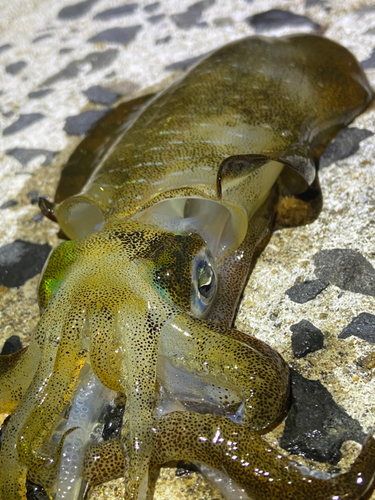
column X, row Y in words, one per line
column 119, row 300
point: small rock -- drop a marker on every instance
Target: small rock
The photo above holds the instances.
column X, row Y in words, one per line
column 185, row 63
column 191, row 17
column 100, row 95
column 308, row 290
column 11, row 345
column 123, row 10
column 112, row 419
column 345, row 144
column 316, row 426
column 9, row 204
column 362, row 326
column 346, row 269
column 20, row 261
column 82, row 123
column 15, row 68
column 306, row 338
column 122, row 36
column 278, row 18
column 23, row 122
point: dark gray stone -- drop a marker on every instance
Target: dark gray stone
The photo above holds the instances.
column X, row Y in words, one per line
column 76, row 10
column 156, row 19
column 308, row 290
column 306, row 338
column 192, row 16
column 100, row 95
column 42, row 37
column 161, row 41
column 38, row 217
column 122, row 36
column 346, row 269
column 316, row 426
column 38, row 94
column 5, row 47
column 65, row 50
column 151, row 7
column 24, row 156
column 278, row 18
column 33, row 196
column 313, row 3
column 82, row 123
column 35, row 492
column 11, row 345
column 96, row 60
column 112, row 419
column 185, row 63
column 9, row 204
column 370, row 62
column 345, row 144
column 20, row 261
column 362, row 326
column 15, row 68
column 123, row 10
column 23, row 122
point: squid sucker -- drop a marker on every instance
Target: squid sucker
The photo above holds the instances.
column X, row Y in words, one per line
column 164, row 204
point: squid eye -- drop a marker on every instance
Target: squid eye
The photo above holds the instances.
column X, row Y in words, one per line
column 204, row 280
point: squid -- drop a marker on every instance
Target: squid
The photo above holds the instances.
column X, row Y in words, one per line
column 163, row 205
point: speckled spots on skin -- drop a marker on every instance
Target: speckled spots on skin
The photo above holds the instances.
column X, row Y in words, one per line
column 116, row 12
column 347, row 269
column 25, row 156
column 192, row 16
column 309, row 424
column 362, row 326
column 346, row 143
column 20, row 261
column 277, row 18
column 120, row 36
column 82, row 123
column 24, row 121
column 94, row 61
column 306, row 291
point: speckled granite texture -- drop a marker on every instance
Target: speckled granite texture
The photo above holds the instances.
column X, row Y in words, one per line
column 63, row 64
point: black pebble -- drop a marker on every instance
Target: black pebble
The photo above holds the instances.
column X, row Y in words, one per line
column 13, row 344
column 24, row 155
column 161, row 41
column 35, row 492
column 123, row 10
column 151, row 7
column 184, row 468
column 121, row 36
column 92, row 62
column 37, row 94
column 185, row 63
column 9, row 204
column 112, row 419
column 191, row 17
column 76, row 10
column 82, row 123
column 306, row 338
column 20, row 261
column 308, row 290
column 15, row 68
column 5, row 47
column 23, row 122
column 156, row 19
column 362, row 326
column 346, row 269
column 41, row 37
column 100, row 95
column 278, row 18
column 370, row 62
column 34, row 196
column 345, row 144
column 316, row 426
